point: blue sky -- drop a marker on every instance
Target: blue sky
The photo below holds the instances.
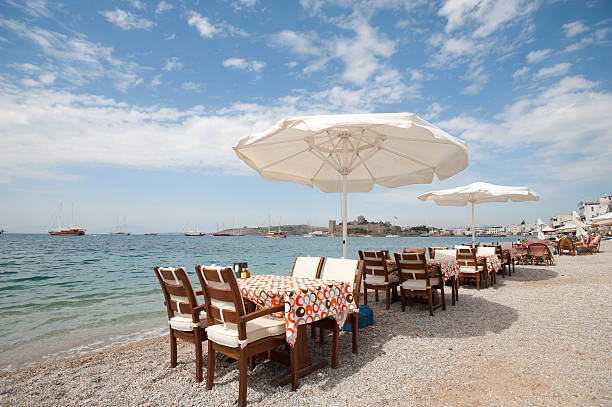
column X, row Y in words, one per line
column 129, row 109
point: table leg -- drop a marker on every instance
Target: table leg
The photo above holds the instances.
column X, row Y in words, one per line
column 302, row 358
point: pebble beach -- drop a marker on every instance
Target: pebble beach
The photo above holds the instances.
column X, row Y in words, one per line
column 538, row 338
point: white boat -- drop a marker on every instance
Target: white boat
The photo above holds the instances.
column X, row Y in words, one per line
column 392, row 236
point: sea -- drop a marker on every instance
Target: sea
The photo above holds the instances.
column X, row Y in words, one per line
column 62, row 296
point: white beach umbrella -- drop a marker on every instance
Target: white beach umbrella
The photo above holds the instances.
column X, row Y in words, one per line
column 540, row 232
column 603, row 220
column 479, row 192
column 580, row 225
column 354, row 152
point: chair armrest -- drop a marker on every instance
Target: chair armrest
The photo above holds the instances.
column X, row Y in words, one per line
column 262, row 312
column 200, row 308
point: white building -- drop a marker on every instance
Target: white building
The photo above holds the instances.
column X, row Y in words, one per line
column 589, row 210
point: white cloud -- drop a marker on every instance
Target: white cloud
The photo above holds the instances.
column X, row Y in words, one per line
column 574, row 28
column 297, row 42
column 169, row 37
column 556, row 70
column 47, row 78
column 538, row 55
column 156, row 81
column 478, row 77
column 173, row 64
column 521, row 72
column 209, row 30
column 36, row 8
column 240, row 63
column 79, row 60
column 163, row 6
column 126, row 20
column 433, row 111
column 239, row 4
column 137, row 4
column 194, row 86
column 562, row 127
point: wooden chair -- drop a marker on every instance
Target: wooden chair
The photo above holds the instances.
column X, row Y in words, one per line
column 487, row 251
column 432, row 251
column 565, row 245
column 539, row 253
column 417, row 280
column 449, row 254
column 347, row 271
column 594, row 244
column 508, row 258
column 234, row 333
column 376, row 275
column 186, row 318
column 522, row 254
column 307, row 267
column 468, row 266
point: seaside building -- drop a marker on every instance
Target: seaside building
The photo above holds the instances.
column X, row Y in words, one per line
column 590, row 210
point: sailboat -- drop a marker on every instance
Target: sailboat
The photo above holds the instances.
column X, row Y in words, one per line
column 120, row 231
column 65, row 231
column 309, row 234
column 274, row 235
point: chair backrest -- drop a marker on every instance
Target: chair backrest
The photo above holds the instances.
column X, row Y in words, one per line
column 486, row 244
column 565, row 243
column 521, row 250
column 432, row 251
column 222, row 295
column 374, row 264
column 447, row 254
column 538, row 249
column 307, row 267
column 462, row 246
column 485, row 251
column 412, row 266
column 178, row 292
column 345, row 270
column 467, row 257
column 506, row 245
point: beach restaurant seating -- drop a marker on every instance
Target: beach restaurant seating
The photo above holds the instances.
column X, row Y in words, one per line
column 593, row 246
column 307, row 267
column 522, row 254
column 469, row 267
column 376, row 276
column 483, row 251
column 432, row 251
column 508, row 260
column 347, row 271
column 417, row 280
column 539, row 253
column 565, row 245
column 234, row 333
column 453, row 283
column 186, row 318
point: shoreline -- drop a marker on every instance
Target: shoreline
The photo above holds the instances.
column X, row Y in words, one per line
column 540, row 337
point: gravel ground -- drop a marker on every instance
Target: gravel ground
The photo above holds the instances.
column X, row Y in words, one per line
column 539, row 338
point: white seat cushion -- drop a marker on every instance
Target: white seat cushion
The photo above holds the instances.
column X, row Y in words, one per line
column 185, row 323
column 257, row 329
column 419, row 284
column 380, row 280
column 469, row 269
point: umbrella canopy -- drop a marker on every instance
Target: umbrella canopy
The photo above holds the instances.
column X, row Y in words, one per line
column 603, row 220
column 540, row 231
column 479, row 192
column 580, row 225
column 352, row 153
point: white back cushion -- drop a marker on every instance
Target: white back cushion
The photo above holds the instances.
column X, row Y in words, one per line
column 485, row 251
column 340, row 270
column 306, row 267
column 450, row 254
column 460, row 246
column 506, row 245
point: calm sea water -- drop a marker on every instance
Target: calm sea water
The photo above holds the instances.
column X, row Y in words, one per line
column 66, row 295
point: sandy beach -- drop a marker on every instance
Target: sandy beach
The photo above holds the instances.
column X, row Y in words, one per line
column 539, row 338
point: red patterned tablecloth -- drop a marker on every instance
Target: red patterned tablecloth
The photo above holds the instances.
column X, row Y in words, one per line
column 492, row 261
column 306, row 300
column 449, row 268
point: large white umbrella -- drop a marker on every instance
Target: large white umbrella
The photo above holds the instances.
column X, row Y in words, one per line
column 580, row 225
column 541, row 235
column 479, row 192
column 354, row 152
column 602, row 220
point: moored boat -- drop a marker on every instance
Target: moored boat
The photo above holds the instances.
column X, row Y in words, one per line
column 275, row 235
column 71, row 231
column 194, row 233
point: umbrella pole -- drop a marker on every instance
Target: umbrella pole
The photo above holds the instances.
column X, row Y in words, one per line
column 344, row 225
column 473, row 229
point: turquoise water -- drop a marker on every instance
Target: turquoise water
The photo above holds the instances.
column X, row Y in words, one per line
column 65, row 295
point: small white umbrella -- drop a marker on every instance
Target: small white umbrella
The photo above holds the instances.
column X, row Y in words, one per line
column 580, row 225
column 540, row 232
column 479, row 192
column 603, row 220
column 354, row 152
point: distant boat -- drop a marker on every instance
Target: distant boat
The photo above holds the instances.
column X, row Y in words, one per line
column 150, row 234
column 58, row 218
column 221, row 234
column 194, row 233
column 120, row 231
column 2, row 231
column 274, row 235
column 392, row 236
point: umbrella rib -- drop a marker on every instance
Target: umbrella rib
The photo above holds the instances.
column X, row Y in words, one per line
column 407, row 157
column 284, row 159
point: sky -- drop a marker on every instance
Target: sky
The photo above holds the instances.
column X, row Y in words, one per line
column 128, row 110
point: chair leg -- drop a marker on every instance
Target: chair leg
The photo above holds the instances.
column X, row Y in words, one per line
column 443, row 297
column 294, row 376
column 198, row 352
column 387, row 297
column 210, row 372
column 336, row 335
column 478, row 281
column 355, row 332
column 242, row 383
column 456, row 286
column 365, row 295
column 172, row 348
column 430, row 302
column 376, row 294
column 403, row 299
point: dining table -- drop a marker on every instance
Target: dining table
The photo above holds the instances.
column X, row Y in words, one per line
column 491, row 263
column 449, row 269
column 306, row 300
